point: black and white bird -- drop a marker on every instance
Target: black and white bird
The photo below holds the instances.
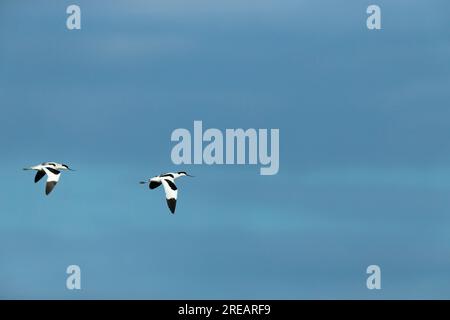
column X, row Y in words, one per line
column 168, row 182
column 53, row 172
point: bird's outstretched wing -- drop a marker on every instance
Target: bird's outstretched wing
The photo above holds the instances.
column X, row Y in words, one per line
column 171, row 193
column 154, row 183
column 52, row 179
column 39, row 175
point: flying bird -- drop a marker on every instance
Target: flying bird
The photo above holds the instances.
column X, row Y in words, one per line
column 168, row 182
column 53, row 172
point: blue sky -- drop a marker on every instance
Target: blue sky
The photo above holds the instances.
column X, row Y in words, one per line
column 364, row 149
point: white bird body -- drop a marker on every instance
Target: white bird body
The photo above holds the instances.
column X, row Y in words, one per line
column 53, row 172
column 170, row 189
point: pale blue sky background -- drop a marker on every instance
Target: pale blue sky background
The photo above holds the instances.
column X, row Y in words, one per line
column 364, row 120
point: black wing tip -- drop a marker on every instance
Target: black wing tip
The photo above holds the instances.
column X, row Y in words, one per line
column 49, row 187
column 154, row 184
column 39, row 176
column 172, row 203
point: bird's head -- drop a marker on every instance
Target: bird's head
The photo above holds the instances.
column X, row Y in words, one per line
column 183, row 173
column 66, row 167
